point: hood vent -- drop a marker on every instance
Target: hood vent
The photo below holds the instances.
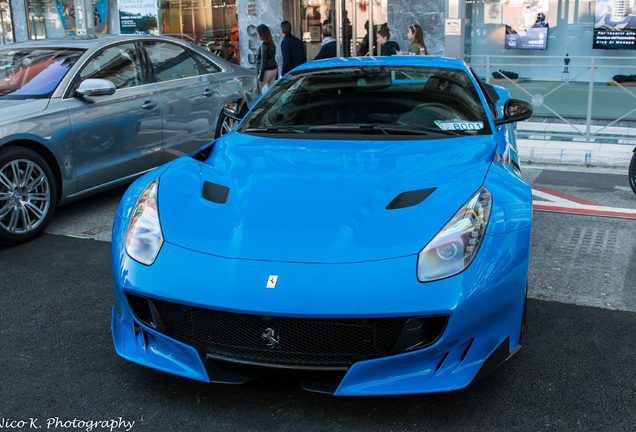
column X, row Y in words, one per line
column 215, row 192
column 409, row 199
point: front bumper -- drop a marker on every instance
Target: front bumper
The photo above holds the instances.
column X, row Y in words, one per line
column 484, row 305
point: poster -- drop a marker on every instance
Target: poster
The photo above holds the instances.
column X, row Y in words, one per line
column 526, row 24
column 615, row 24
column 138, row 17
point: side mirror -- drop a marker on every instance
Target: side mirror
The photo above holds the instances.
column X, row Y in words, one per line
column 515, row 110
column 96, row 87
column 231, row 110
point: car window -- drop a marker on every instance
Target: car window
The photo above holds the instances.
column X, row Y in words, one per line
column 208, row 65
column 387, row 100
column 34, row 73
column 170, row 61
column 119, row 64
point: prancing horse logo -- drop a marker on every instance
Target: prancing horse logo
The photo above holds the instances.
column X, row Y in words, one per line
column 270, row 337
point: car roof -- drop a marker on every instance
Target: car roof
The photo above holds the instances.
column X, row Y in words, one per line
column 82, row 42
column 396, row 60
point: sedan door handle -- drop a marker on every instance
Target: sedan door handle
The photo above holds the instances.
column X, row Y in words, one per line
column 149, row 105
column 208, row 93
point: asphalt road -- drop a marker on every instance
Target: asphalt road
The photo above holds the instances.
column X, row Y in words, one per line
column 59, row 370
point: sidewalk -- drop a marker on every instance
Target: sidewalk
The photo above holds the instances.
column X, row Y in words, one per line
column 612, row 146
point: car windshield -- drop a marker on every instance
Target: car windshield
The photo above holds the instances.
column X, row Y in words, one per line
column 34, row 73
column 404, row 101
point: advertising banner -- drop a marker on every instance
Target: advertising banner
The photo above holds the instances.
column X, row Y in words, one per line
column 526, row 24
column 615, row 24
column 138, row 16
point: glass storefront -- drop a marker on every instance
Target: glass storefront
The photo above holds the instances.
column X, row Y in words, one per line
column 352, row 24
column 212, row 24
column 6, row 27
column 529, row 31
column 56, row 18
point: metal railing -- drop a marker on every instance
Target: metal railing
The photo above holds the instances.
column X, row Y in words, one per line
column 578, row 92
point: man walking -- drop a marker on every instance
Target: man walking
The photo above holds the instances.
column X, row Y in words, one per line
column 292, row 48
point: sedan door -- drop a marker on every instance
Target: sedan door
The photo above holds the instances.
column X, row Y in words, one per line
column 120, row 135
column 190, row 101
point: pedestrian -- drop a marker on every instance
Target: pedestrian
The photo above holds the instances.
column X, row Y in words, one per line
column 266, row 65
column 389, row 47
column 416, row 36
column 328, row 47
column 292, row 48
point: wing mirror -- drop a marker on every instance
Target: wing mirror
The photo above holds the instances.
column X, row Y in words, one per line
column 96, row 87
column 514, row 110
column 231, row 110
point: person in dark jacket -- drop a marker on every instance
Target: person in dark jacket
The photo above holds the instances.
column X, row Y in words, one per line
column 266, row 66
column 292, row 48
column 328, row 47
column 389, row 47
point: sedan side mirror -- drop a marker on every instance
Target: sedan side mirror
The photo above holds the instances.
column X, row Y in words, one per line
column 96, row 87
column 514, row 110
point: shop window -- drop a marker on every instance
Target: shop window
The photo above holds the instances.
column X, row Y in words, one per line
column 6, row 29
column 207, row 64
column 209, row 23
column 56, row 18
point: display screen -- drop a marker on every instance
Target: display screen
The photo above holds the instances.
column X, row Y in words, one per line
column 526, row 24
column 533, row 38
column 615, row 25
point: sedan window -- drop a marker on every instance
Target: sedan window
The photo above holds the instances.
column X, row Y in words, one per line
column 170, row 61
column 207, row 64
column 119, row 64
column 34, row 73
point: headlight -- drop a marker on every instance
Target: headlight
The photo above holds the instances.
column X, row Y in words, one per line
column 143, row 236
column 455, row 246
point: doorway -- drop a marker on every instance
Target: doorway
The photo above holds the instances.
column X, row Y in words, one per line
column 355, row 24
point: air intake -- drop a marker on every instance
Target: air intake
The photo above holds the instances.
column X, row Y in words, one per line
column 409, row 199
column 215, row 192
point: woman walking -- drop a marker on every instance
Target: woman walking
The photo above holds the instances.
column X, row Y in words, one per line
column 266, row 59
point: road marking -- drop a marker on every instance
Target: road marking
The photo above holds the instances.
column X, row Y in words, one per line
column 549, row 200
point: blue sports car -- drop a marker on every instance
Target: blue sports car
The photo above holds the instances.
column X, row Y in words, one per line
column 365, row 229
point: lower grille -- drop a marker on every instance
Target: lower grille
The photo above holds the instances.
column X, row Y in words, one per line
column 283, row 341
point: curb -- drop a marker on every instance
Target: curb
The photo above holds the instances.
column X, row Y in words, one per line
column 575, row 153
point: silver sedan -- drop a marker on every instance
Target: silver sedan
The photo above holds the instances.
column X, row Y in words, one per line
column 78, row 116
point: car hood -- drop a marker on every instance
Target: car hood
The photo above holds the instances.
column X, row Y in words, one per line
column 318, row 201
column 14, row 108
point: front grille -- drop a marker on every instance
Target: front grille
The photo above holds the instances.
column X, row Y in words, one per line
column 294, row 342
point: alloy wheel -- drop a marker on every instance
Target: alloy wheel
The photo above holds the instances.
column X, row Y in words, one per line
column 25, row 196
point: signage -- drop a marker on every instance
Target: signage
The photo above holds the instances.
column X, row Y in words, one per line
column 138, row 17
column 453, row 27
column 614, row 25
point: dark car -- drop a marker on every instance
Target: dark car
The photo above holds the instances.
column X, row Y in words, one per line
column 78, row 116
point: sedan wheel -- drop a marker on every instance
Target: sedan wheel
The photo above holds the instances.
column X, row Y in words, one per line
column 27, row 195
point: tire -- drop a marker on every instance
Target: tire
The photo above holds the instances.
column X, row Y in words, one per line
column 28, row 195
column 225, row 123
column 632, row 172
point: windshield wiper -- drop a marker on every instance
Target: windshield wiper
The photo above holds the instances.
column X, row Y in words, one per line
column 366, row 128
column 274, row 129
